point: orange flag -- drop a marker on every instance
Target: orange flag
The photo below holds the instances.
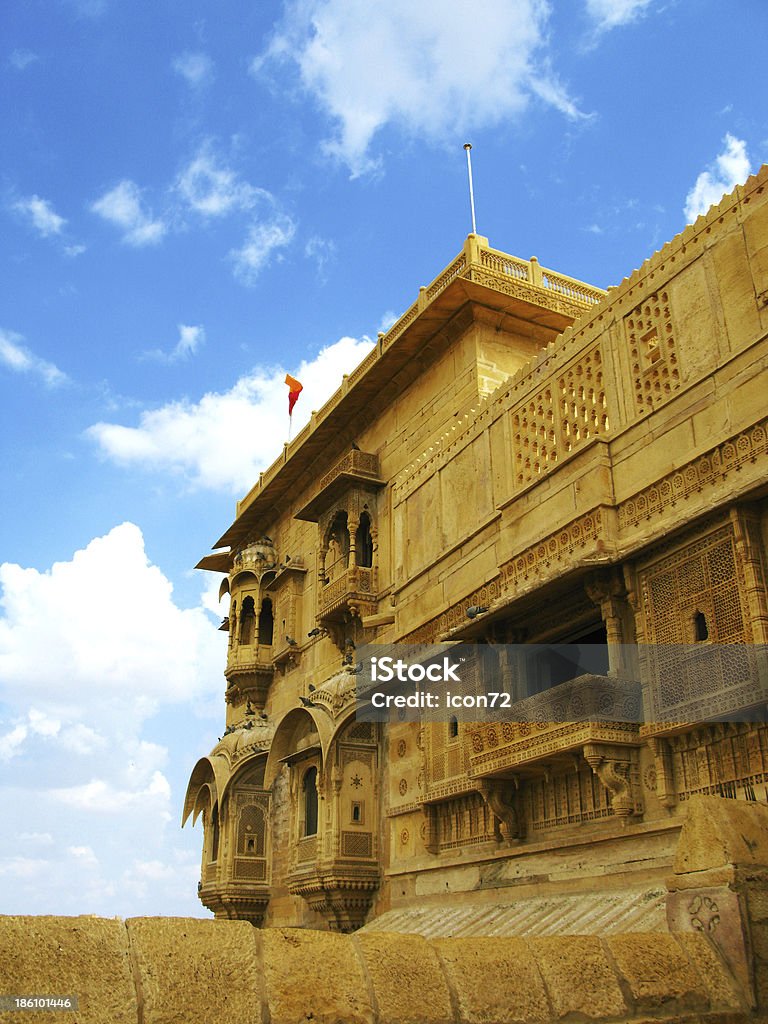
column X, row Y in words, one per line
column 295, row 388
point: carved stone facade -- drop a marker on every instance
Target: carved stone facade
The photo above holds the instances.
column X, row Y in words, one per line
column 569, row 465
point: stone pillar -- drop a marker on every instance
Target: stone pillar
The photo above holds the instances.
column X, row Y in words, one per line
column 720, row 886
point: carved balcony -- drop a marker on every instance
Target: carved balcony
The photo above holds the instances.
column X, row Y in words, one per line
column 341, row 888
column 236, row 899
column 351, row 594
column 249, row 673
column 595, row 717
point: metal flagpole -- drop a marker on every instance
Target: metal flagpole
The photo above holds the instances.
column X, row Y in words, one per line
column 468, row 148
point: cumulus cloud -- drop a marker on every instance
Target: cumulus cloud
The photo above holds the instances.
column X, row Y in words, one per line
column 431, row 69
column 97, row 658
column 15, row 356
column 112, row 631
column 730, row 168
column 191, row 337
column 41, row 215
column 608, row 14
column 123, row 206
column 226, row 438
column 196, row 68
column 100, row 797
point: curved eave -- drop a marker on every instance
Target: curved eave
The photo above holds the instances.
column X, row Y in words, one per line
column 219, row 561
column 212, row 772
column 242, row 766
column 286, row 728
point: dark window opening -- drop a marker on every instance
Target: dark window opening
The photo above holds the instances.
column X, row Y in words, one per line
column 357, row 813
column 247, row 621
column 553, row 664
column 453, row 728
column 310, row 802
column 266, row 622
column 700, row 628
column 364, row 542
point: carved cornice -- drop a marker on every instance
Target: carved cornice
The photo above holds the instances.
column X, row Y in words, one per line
column 695, row 477
column 537, row 563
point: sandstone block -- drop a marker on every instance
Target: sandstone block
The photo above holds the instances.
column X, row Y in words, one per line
column 657, row 972
column 578, row 976
column 408, row 982
column 721, row 988
column 314, row 976
column 196, row 970
column 718, row 832
column 85, row 957
column 496, row 980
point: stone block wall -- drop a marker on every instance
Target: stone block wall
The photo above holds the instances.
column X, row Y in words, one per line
column 176, row 970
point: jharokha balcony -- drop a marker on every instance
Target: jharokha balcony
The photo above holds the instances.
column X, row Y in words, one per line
column 350, row 593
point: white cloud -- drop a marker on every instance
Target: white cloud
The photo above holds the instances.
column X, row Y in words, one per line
column 123, row 207
column 14, row 355
column 432, row 69
column 41, row 214
column 196, row 68
column 83, row 855
column 213, row 189
column 322, row 251
column 263, row 242
column 190, row 339
column 608, row 14
column 21, row 59
column 730, row 168
column 101, row 797
column 12, row 742
column 112, row 631
column 95, row 652
column 225, row 439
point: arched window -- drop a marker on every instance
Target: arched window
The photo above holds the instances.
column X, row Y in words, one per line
column 337, row 556
column 247, row 621
column 251, row 832
column 364, row 542
column 266, row 622
column 309, row 786
column 453, row 728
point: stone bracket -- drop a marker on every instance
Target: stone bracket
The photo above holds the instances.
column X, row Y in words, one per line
column 613, row 766
column 500, row 798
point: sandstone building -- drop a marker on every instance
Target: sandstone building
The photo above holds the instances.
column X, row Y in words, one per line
column 568, row 465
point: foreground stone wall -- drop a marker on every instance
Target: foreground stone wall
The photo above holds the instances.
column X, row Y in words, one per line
column 175, row 970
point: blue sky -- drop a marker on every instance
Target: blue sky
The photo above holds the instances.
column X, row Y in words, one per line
column 196, row 198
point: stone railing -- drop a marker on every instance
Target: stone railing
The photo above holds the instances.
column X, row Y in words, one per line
column 354, row 584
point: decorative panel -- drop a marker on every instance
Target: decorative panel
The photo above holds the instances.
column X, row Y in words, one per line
column 655, row 372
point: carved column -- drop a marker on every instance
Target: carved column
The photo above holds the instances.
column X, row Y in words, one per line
column 746, row 530
column 665, row 779
column 607, row 591
column 431, row 836
column 352, row 526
